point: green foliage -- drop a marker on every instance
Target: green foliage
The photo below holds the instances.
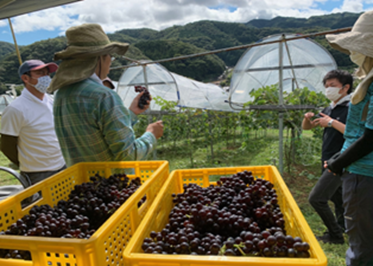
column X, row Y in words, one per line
column 43, row 50
column 292, row 118
column 333, row 21
column 5, row 48
column 142, row 34
column 3, row 88
column 165, row 105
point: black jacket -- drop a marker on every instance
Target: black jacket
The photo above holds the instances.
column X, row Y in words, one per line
column 332, row 139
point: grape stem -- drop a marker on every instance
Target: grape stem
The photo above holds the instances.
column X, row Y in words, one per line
column 222, row 250
column 239, row 249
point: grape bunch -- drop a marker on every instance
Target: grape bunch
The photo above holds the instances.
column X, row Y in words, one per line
column 144, row 98
column 88, row 206
column 240, row 216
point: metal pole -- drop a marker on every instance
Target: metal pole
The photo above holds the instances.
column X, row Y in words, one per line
column 280, row 102
column 291, row 64
column 150, row 116
column 15, row 42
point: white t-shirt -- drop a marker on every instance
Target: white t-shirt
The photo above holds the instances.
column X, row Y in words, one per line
column 31, row 120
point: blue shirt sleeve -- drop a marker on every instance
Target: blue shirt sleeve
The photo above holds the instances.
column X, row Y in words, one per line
column 369, row 118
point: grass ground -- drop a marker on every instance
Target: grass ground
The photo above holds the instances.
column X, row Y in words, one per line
column 5, row 178
column 260, row 150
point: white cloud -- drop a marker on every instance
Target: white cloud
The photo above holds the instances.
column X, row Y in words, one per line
column 115, row 15
column 3, row 23
column 350, row 6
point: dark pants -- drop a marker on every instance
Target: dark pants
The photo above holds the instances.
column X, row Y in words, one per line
column 358, row 204
column 329, row 187
column 36, row 177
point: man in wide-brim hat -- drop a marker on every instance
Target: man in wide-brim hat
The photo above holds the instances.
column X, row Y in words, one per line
column 355, row 162
column 90, row 120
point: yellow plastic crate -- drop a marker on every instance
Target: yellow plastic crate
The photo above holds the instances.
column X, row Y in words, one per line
column 157, row 218
column 106, row 245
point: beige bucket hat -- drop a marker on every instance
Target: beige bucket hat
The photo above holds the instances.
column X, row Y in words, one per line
column 358, row 40
column 85, row 44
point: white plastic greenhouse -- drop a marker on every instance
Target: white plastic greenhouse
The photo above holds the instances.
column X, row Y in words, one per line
column 5, row 100
column 171, row 87
column 303, row 64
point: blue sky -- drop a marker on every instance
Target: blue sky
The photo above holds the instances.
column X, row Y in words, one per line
column 25, row 38
column 328, row 5
column 115, row 15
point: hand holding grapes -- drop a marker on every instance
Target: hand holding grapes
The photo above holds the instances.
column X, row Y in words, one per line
column 135, row 105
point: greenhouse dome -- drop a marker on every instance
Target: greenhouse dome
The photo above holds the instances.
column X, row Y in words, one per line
column 304, row 64
column 5, row 100
column 181, row 90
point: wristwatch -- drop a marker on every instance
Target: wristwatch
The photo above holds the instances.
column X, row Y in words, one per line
column 330, row 122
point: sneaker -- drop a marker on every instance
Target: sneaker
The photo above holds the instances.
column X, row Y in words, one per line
column 331, row 240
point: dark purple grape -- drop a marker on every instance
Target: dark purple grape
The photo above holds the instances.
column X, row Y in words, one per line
column 144, row 98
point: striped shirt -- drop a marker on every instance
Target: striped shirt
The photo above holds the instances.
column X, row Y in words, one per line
column 92, row 125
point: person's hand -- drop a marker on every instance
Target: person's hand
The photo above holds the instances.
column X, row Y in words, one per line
column 323, row 121
column 308, row 120
column 134, row 107
column 326, row 167
column 308, row 116
column 156, row 129
column 332, row 166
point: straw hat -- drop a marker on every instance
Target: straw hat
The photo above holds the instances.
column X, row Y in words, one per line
column 85, row 44
column 360, row 41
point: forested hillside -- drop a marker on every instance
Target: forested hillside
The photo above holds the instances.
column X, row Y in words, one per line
column 5, row 48
column 334, row 21
column 192, row 38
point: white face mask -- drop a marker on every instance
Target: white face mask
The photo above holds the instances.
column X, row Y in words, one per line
column 332, row 93
column 357, row 58
column 43, row 83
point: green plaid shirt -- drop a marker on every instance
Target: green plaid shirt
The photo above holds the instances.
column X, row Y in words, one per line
column 93, row 125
